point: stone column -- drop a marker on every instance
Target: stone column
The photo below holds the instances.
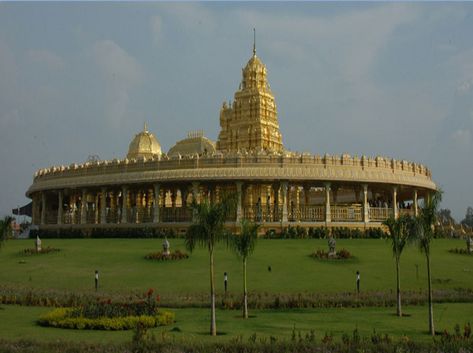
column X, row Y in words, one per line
column 184, row 193
column 415, row 204
column 83, row 209
column 211, row 189
column 328, row 213
column 156, row 205
column 96, row 205
column 239, row 185
column 276, row 202
column 249, row 195
column 124, row 205
column 366, row 212
column 103, row 206
column 195, row 191
column 284, row 187
column 297, row 203
column 113, row 206
column 306, row 195
column 43, row 208
column 195, row 194
column 60, row 207
column 395, row 209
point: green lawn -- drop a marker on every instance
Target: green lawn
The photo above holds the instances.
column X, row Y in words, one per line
column 19, row 322
column 123, row 268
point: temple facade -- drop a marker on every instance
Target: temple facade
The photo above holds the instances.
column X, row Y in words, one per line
column 274, row 186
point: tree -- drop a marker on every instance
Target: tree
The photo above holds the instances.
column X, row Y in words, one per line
column 243, row 245
column 401, row 230
column 445, row 217
column 468, row 220
column 425, row 234
column 209, row 229
column 5, row 229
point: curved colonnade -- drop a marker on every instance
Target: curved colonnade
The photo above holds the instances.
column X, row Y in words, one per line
column 276, row 190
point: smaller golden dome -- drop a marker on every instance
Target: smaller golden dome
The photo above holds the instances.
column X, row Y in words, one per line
column 144, row 144
column 195, row 143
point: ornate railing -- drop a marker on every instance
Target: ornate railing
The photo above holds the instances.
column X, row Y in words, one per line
column 348, row 213
column 406, row 211
column 312, row 213
column 380, row 213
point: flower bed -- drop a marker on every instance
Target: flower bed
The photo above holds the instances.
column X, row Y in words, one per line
column 160, row 256
column 64, row 318
column 44, row 251
column 460, row 251
column 342, row 254
column 106, row 315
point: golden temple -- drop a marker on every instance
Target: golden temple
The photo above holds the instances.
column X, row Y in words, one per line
column 274, row 186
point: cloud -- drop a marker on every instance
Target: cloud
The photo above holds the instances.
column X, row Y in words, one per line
column 121, row 74
column 46, row 58
column 156, row 24
column 461, row 137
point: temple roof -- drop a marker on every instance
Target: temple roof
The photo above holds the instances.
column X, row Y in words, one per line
column 144, row 144
column 195, row 143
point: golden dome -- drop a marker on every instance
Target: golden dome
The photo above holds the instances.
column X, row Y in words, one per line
column 195, row 143
column 144, row 145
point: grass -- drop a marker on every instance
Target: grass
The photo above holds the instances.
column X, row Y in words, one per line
column 193, row 324
column 123, row 268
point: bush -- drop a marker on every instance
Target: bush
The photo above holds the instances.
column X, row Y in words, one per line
column 106, row 315
column 460, row 251
column 342, row 254
column 63, row 318
column 32, row 251
column 160, row 256
column 299, row 232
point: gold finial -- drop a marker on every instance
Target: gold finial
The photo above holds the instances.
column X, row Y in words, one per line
column 145, row 129
column 254, row 41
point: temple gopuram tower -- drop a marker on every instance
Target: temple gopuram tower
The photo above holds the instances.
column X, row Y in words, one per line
column 250, row 122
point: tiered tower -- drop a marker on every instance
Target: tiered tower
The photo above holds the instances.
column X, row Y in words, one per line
column 251, row 121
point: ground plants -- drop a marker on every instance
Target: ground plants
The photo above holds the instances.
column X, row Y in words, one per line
column 44, row 251
column 342, row 254
column 108, row 315
column 173, row 255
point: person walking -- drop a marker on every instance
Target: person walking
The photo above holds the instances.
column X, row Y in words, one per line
column 225, row 281
column 96, row 280
column 358, row 282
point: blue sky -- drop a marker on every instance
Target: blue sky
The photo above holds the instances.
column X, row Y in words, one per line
column 389, row 79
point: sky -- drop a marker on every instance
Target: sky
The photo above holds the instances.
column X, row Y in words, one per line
column 389, row 79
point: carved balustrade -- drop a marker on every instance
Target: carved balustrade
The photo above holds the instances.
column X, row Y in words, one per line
column 380, row 214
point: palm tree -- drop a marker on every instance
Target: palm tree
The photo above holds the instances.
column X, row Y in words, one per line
column 401, row 231
column 209, row 229
column 244, row 245
column 5, row 228
column 425, row 234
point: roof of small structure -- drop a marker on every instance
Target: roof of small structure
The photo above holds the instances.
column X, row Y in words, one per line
column 144, row 144
column 195, row 143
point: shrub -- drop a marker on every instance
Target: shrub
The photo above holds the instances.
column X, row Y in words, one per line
column 160, row 256
column 63, row 318
column 460, row 251
column 342, row 254
column 32, row 251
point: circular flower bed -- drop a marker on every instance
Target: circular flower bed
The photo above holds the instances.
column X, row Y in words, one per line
column 44, row 251
column 105, row 315
column 460, row 251
column 342, row 254
column 161, row 256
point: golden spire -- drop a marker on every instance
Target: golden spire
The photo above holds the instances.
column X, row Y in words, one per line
column 145, row 129
column 254, row 41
